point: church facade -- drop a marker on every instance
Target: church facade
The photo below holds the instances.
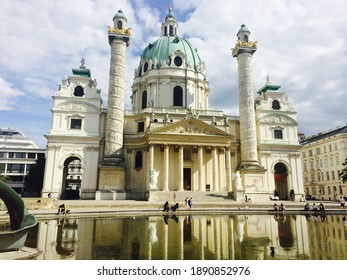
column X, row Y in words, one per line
column 170, row 141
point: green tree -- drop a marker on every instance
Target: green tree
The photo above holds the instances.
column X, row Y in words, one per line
column 2, row 176
column 343, row 172
column 34, row 179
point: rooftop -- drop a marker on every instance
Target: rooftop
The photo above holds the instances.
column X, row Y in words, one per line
column 324, row 135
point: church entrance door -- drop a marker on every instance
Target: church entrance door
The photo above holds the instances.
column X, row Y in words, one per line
column 281, row 183
column 187, row 177
column 72, row 178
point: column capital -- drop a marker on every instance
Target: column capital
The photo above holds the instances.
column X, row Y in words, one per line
column 119, row 34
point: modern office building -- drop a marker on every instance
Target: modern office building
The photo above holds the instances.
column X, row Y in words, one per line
column 322, row 157
column 17, row 155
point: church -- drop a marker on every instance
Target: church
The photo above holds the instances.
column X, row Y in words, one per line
column 170, row 142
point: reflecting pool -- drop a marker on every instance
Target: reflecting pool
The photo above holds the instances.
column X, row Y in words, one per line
column 192, row 237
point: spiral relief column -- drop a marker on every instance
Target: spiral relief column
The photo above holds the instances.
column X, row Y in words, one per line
column 112, row 170
column 251, row 170
column 244, row 51
column 119, row 38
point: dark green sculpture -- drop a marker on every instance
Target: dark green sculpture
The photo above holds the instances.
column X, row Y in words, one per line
column 20, row 219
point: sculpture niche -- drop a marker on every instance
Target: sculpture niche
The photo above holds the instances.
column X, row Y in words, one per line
column 20, row 219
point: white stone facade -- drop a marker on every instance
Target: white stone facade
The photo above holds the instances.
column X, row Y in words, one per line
column 170, row 128
column 278, row 139
column 76, row 133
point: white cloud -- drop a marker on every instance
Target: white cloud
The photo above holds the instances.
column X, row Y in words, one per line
column 8, row 95
column 301, row 45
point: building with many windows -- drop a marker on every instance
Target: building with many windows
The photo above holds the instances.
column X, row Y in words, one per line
column 17, row 155
column 170, row 140
column 322, row 157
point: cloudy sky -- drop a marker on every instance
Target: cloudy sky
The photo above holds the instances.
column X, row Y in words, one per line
column 301, row 45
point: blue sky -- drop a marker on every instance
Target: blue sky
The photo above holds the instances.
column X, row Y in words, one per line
column 301, row 45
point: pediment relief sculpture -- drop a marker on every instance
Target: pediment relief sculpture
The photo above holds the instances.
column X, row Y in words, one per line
column 277, row 119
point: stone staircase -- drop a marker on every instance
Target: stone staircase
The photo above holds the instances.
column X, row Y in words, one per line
column 198, row 197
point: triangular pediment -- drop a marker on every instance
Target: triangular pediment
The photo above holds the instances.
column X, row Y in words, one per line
column 190, row 126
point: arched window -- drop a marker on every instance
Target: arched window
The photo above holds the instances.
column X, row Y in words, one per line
column 79, row 91
column 178, row 96
column 276, row 105
column 165, row 30
column 245, row 38
column 138, row 159
column 119, row 25
column 171, row 30
column 145, row 67
column 144, row 100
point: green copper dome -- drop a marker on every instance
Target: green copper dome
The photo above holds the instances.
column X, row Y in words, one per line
column 162, row 50
column 119, row 14
column 243, row 28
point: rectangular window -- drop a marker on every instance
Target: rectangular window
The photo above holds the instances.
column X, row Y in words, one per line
column 332, row 175
column 140, row 127
column 2, row 167
column 314, row 191
column 310, row 153
column 317, row 151
column 3, row 154
column 76, row 124
column 15, row 168
column 328, row 178
column 31, row 155
column 278, row 134
column 41, row 155
column 17, row 155
column 138, row 160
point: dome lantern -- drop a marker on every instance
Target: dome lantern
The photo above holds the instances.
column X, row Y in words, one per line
column 169, row 27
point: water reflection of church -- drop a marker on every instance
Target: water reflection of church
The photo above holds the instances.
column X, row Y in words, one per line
column 176, row 237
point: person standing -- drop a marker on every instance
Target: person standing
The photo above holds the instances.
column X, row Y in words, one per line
column 342, row 203
column 174, row 198
column 190, row 203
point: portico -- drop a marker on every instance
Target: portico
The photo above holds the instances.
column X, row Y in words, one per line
column 190, row 155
